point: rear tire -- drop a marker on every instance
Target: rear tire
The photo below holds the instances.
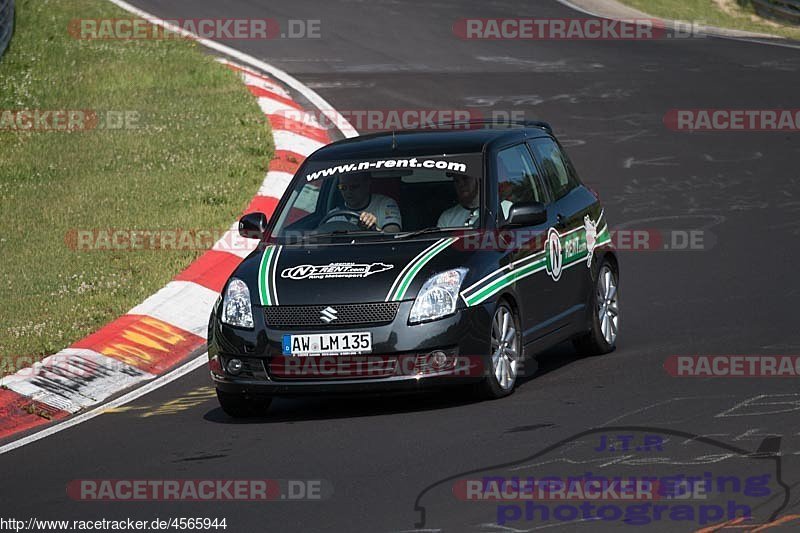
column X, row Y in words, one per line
column 241, row 406
column 506, row 343
column 602, row 337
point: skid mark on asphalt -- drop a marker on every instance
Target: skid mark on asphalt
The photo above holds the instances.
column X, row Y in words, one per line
column 673, row 220
column 492, row 526
column 562, row 65
column 593, row 93
column 764, row 404
column 533, row 427
column 183, row 403
column 201, row 458
column 666, row 161
column 632, row 119
column 619, row 136
column 785, row 65
column 750, row 157
column 716, row 413
column 347, row 84
column 647, row 414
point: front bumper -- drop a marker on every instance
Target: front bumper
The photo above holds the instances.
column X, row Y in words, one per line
column 399, row 356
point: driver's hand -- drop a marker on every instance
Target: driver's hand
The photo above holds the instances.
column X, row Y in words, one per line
column 368, row 219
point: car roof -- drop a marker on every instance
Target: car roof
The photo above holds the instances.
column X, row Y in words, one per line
column 408, row 143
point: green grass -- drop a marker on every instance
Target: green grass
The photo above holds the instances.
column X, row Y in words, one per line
column 199, row 153
column 709, row 12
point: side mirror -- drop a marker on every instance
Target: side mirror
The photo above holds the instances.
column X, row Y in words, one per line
column 253, row 225
column 526, row 214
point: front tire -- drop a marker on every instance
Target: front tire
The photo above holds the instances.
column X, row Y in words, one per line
column 241, row 406
column 602, row 337
column 506, row 343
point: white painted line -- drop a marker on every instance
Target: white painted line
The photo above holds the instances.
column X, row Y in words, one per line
column 270, row 106
column 275, row 184
column 288, row 140
column 305, row 118
column 179, row 372
column 183, row 304
column 309, row 94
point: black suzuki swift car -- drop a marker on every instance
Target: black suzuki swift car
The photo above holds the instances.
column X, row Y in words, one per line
column 416, row 259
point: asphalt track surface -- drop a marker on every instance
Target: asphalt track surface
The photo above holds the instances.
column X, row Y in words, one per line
column 606, row 100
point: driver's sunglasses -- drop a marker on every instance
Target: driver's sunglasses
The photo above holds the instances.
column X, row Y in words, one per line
column 352, row 186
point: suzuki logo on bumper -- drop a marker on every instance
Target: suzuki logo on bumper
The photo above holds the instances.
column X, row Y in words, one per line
column 334, row 270
column 328, row 315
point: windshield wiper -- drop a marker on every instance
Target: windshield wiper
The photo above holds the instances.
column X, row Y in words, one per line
column 430, row 229
column 336, row 233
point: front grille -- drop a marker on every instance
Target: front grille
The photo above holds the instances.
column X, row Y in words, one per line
column 301, row 316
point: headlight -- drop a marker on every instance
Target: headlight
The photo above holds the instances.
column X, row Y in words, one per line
column 236, row 309
column 438, row 296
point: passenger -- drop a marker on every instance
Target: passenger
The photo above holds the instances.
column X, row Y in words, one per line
column 467, row 212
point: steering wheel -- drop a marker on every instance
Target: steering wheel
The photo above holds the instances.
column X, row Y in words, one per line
column 340, row 213
column 345, row 213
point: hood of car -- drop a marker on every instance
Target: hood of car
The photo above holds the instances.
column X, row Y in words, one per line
column 348, row 273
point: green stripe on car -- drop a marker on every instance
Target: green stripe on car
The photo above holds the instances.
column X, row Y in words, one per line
column 504, row 281
column 412, row 270
column 263, row 275
column 477, row 294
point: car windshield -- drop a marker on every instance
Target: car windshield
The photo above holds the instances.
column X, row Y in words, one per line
column 382, row 198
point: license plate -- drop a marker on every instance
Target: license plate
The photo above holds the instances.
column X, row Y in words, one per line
column 327, row 343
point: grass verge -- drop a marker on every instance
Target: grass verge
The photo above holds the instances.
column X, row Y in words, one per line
column 193, row 150
column 720, row 13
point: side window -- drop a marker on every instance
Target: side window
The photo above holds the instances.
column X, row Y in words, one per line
column 517, row 178
column 573, row 174
column 560, row 179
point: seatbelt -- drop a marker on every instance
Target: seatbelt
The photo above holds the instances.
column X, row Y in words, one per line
column 473, row 217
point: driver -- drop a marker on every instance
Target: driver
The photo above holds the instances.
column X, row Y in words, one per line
column 467, row 210
column 377, row 210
